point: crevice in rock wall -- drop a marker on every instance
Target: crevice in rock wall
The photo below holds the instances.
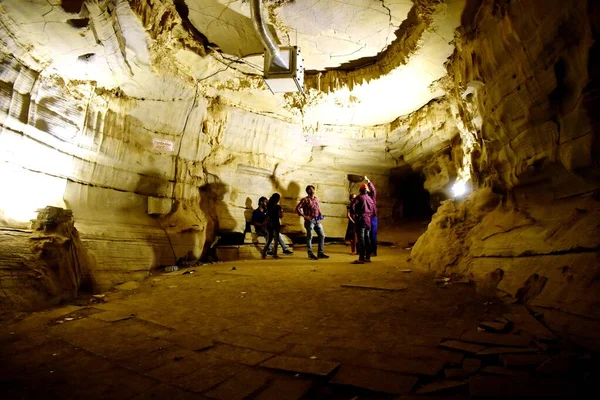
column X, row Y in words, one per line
column 166, row 21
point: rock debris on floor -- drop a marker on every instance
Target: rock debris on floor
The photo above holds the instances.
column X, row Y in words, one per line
column 281, row 330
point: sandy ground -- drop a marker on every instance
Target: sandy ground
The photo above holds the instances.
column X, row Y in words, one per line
column 221, row 331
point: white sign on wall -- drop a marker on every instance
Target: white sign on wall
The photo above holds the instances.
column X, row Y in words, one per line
column 163, row 145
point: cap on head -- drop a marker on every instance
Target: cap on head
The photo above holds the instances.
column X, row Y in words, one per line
column 363, row 186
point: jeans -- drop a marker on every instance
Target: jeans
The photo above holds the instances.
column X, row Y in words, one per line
column 373, row 235
column 273, row 231
column 364, row 243
column 260, row 231
column 284, row 246
column 318, row 228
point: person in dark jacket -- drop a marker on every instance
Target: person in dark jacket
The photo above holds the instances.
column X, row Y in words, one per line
column 274, row 214
column 362, row 207
column 351, row 229
column 260, row 221
column 373, row 235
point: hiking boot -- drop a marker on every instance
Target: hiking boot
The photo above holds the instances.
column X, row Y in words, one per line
column 367, row 260
column 323, row 255
column 288, row 252
column 358, row 262
column 312, row 257
column 276, row 257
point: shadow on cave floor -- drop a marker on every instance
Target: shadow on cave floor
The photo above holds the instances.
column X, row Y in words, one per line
column 402, row 233
column 220, row 332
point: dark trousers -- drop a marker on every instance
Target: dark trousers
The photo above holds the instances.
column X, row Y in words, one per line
column 373, row 235
column 273, row 237
column 364, row 243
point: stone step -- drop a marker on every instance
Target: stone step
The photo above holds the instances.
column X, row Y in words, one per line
column 301, row 365
column 375, row 380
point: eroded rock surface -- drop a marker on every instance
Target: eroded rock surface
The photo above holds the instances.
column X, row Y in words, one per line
column 116, row 109
column 45, row 265
column 523, row 86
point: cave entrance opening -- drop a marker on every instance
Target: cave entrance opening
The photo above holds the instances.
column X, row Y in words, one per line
column 411, row 200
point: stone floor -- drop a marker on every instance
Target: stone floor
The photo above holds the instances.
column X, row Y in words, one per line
column 289, row 329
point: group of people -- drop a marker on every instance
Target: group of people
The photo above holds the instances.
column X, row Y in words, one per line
column 362, row 223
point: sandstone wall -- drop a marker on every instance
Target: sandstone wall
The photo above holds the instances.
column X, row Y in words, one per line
column 103, row 154
column 522, row 88
column 73, row 145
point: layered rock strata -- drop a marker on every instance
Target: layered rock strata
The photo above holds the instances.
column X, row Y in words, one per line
column 522, row 86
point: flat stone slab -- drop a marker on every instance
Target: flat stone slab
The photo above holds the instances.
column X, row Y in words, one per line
column 522, row 360
column 239, row 386
column 506, row 350
column 188, row 341
column 522, row 319
column 251, row 342
column 495, row 326
column 372, row 379
column 496, row 370
column 111, row 316
column 450, row 357
column 399, row 365
column 208, row 376
column 457, row 373
column 506, row 387
column 444, row 386
column 301, row 365
column 496, row 339
column 461, row 346
column 390, row 287
column 238, row 354
column 285, row 389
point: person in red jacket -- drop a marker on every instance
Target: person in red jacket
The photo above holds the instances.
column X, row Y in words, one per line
column 362, row 207
column 373, row 235
column 309, row 209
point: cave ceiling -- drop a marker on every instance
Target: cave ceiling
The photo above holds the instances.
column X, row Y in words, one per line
column 367, row 61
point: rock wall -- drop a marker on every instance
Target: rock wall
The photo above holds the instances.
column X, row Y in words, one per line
column 522, row 85
column 108, row 157
column 44, row 265
column 255, row 155
column 95, row 152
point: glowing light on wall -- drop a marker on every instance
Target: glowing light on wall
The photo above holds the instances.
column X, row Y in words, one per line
column 24, row 192
column 32, row 174
column 459, row 188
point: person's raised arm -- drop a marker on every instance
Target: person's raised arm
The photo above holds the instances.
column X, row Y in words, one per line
column 372, row 191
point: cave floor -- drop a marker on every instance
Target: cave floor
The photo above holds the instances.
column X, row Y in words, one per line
column 272, row 329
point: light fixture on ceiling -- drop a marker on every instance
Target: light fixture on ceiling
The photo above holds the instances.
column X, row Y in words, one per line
column 283, row 70
column 284, row 80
